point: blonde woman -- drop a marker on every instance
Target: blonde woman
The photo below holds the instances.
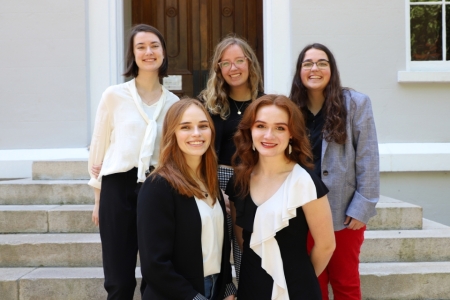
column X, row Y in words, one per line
column 234, row 82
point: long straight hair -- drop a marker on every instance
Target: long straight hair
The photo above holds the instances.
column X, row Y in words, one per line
column 335, row 113
column 172, row 163
column 217, row 90
column 245, row 159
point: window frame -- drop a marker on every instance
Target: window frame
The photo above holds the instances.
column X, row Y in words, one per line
column 427, row 66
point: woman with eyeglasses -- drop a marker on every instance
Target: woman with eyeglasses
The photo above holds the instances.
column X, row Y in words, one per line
column 345, row 148
column 234, row 82
column 183, row 241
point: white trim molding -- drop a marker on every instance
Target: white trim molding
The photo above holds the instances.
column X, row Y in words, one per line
column 423, row 76
column 414, row 157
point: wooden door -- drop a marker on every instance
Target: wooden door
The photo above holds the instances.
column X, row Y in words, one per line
column 192, row 28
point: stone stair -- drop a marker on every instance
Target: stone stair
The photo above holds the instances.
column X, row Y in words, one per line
column 49, row 248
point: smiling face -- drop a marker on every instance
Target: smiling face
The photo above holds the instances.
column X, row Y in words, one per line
column 315, row 79
column 148, row 52
column 193, row 133
column 270, row 132
column 235, row 76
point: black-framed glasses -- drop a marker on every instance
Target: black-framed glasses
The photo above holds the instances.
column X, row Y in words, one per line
column 237, row 63
column 321, row 64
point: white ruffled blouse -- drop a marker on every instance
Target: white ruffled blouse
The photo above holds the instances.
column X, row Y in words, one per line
column 274, row 215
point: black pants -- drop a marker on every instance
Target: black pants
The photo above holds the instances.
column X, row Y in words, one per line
column 118, row 232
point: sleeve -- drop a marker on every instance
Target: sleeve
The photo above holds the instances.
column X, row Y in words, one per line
column 364, row 136
column 230, row 190
column 100, row 138
column 218, row 126
column 230, row 289
column 156, row 231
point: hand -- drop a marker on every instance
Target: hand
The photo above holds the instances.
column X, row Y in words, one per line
column 227, row 201
column 95, row 217
column 95, row 214
column 231, row 297
column 95, row 170
column 353, row 224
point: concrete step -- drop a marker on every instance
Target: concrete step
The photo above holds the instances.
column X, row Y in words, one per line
column 55, row 283
column 50, row 250
column 405, row 281
column 60, row 170
column 46, row 218
column 418, row 280
column 34, row 192
column 395, row 214
column 77, row 218
column 432, row 243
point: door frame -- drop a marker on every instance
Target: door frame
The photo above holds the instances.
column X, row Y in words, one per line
column 109, row 19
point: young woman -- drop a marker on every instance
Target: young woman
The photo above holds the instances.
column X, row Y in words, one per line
column 125, row 144
column 234, row 82
column 344, row 143
column 276, row 198
column 183, row 242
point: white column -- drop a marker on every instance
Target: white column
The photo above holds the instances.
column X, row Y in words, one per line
column 277, row 46
column 105, row 29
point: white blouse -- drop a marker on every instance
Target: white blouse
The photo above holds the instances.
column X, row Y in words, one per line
column 124, row 136
column 212, row 236
column 274, row 215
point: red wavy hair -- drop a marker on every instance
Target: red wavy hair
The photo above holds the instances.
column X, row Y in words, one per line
column 245, row 159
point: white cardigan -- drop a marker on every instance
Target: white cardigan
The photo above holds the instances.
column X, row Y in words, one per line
column 118, row 141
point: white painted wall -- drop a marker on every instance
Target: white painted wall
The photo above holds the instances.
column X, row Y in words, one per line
column 430, row 190
column 43, row 74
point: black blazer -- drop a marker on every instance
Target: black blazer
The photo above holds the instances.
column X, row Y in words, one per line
column 170, row 247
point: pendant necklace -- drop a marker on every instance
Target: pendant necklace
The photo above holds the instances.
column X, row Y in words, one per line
column 239, row 108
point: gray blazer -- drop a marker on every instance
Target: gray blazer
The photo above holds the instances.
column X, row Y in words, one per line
column 351, row 171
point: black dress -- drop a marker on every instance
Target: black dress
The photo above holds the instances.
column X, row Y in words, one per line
column 255, row 282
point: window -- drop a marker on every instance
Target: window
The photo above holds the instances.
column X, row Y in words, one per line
column 429, row 35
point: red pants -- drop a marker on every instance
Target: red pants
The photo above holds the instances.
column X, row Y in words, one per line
column 342, row 272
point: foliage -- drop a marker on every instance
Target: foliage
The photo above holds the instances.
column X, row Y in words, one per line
column 426, row 32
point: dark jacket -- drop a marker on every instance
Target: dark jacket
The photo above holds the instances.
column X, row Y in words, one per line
column 170, row 247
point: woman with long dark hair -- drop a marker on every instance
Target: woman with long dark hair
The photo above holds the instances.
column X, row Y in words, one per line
column 125, row 146
column 183, row 242
column 276, row 198
column 342, row 132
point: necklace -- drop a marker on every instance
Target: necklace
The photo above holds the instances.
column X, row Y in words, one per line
column 239, row 108
column 206, row 194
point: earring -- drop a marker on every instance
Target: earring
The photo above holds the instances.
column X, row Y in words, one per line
column 253, row 147
column 290, row 149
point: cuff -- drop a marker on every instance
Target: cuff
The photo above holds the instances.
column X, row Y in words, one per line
column 362, row 209
column 95, row 183
column 200, row 297
column 230, row 289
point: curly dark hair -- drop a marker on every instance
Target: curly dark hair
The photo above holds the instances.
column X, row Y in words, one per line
column 245, row 159
column 335, row 113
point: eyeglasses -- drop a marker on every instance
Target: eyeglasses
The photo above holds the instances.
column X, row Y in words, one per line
column 237, row 63
column 321, row 64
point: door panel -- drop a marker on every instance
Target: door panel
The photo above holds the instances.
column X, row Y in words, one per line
column 192, row 28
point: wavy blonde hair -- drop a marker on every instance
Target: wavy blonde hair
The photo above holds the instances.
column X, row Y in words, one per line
column 215, row 95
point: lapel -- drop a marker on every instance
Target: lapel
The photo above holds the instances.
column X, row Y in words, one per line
column 324, row 148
